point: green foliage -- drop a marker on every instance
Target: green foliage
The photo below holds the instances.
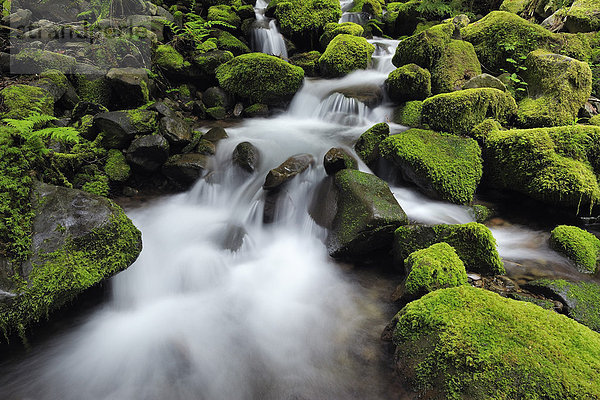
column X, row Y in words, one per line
column 20, row 100
column 577, row 244
column 473, row 243
column 344, row 54
column 468, row 343
column 195, row 30
column 443, row 166
column 433, row 268
column 33, row 127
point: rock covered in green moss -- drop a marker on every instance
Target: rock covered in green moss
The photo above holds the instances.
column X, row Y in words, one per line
column 260, row 78
column 554, row 165
column 408, row 114
column 209, row 61
column 34, row 61
column 227, row 41
column 502, row 35
column 468, row 343
column 303, row 21
column 116, row 167
column 372, row 7
column 583, row 16
column 458, row 112
column 595, row 120
column 367, row 145
column 92, row 85
column 120, row 127
column 78, row 240
column 21, row 100
column 131, row 85
column 366, row 215
column 425, row 48
column 337, row 159
column 443, row 166
column 170, row 60
column 436, row 267
column 579, row 245
column 344, row 54
column 557, row 88
column 333, row 29
column 473, row 243
column 308, row 61
column 409, row 82
column 224, row 13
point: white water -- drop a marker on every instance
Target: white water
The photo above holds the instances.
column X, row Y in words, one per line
column 265, row 35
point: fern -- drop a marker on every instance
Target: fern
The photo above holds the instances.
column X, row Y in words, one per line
column 33, row 126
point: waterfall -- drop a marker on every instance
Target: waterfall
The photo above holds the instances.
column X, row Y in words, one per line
column 265, row 35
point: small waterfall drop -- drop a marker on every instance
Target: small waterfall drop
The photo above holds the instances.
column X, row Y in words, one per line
column 265, row 35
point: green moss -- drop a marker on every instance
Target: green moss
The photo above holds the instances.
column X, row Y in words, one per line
column 81, row 263
column 514, row 6
column 595, row 120
column 578, row 245
column 333, row 29
column 455, row 67
column 557, row 85
column 226, row 41
column 473, row 243
column 433, row 268
column 501, row 35
column 344, row 54
column 217, row 113
column 468, row 343
column 56, row 77
column 97, row 184
column 256, row 109
column 143, row 120
column 583, row 16
column 303, row 20
column 94, row 89
column 169, row 59
column 545, row 304
column 211, row 60
column 30, row 60
column 481, row 213
column 309, row 62
column 372, row 7
column 409, row 113
column 443, row 166
column 482, row 130
column 537, row 162
column 425, row 48
column 458, row 112
column 409, row 82
column 20, row 100
column 224, row 13
column 260, row 78
column 367, row 145
column 116, row 167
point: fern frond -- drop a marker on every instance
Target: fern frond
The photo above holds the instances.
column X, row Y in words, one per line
column 67, row 135
column 23, row 126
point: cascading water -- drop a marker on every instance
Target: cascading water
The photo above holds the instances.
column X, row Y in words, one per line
column 265, row 35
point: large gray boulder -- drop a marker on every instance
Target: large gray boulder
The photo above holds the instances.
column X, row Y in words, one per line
column 148, row 153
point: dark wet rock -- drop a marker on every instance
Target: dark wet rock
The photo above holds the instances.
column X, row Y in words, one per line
column 337, row 159
column 367, row 145
column 31, row 61
column 370, row 95
column 216, row 97
column 163, row 109
column 120, row 127
column 238, row 109
column 289, row 169
column 86, row 108
column 484, row 80
column 360, row 211
column 176, row 131
column 256, row 110
column 581, row 300
column 246, row 156
column 215, row 134
column 19, row 19
column 217, row 113
column 232, row 238
column 185, row 169
column 148, row 152
column 131, row 85
column 206, row 147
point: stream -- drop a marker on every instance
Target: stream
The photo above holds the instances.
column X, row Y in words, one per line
column 222, row 306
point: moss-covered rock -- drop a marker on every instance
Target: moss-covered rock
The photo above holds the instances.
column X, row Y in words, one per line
column 116, row 167
column 468, row 343
column 583, row 16
column 458, row 112
column 308, row 61
column 409, row 82
column 209, row 61
column 406, row 17
column 78, row 240
column 226, row 41
column 371, row 7
column 92, row 85
column 120, row 127
column 367, row 145
column 553, row 165
column 333, row 29
column 344, row 54
column 595, row 120
column 582, row 247
column 170, row 60
column 436, row 267
column 33, row 61
column 442, row 166
column 224, row 13
column 19, row 101
column 303, row 21
column 473, row 243
column 425, row 48
column 409, row 113
column 557, row 85
column 502, row 35
column 260, row 78
column 366, row 215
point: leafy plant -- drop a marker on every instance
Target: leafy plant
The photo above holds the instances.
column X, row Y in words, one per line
column 34, row 126
column 516, row 67
column 195, row 29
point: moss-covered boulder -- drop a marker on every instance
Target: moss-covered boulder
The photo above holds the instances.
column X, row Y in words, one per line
column 436, row 267
column 116, row 167
column 170, row 61
column 119, row 128
column 557, row 88
column 458, row 112
column 371, row 7
column 360, row 212
column 581, row 300
column 19, row 101
column 473, row 243
column 303, row 21
column 583, row 16
column 78, row 240
column 209, row 61
column 224, row 13
column 227, row 41
column 451, row 62
column 308, row 61
column 582, row 247
column 260, row 78
column 337, row 159
column 468, row 343
column 367, row 145
column 442, row 166
column 409, row 82
column 34, row 61
column 554, row 165
column 344, row 54
column 408, row 114
column 333, row 29
column 501, row 35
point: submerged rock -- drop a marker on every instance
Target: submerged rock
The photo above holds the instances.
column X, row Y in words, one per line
column 246, row 156
column 337, row 159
